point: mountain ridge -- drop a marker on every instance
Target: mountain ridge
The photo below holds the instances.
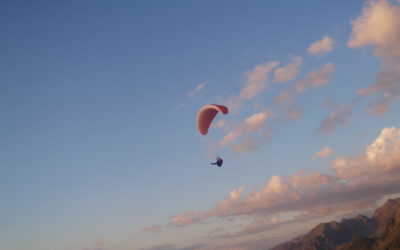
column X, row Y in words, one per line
column 381, row 231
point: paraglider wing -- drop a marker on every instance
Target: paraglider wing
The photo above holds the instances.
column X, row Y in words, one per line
column 206, row 115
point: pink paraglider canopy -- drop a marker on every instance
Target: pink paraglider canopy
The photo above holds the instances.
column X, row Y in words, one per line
column 206, row 115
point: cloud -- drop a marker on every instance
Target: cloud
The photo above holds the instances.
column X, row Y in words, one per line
column 248, row 144
column 324, row 153
column 381, row 157
column 349, row 187
column 316, row 78
column 288, row 72
column 256, row 83
column 313, row 79
column 219, row 124
column 257, row 226
column 324, row 45
column 338, row 116
column 384, row 145
column 197, row 89
column 257, row 79
column 251, row 124
column 378, row 27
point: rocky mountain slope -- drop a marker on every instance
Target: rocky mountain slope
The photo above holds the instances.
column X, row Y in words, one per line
column 381, row 231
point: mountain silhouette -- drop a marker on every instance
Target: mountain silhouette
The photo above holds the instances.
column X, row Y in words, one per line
column 380, row 232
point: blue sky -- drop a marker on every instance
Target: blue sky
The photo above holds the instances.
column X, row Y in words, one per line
column 98, row 107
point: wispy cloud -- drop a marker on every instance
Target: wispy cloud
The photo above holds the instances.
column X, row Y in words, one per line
column 257, row 80
column 219, row 124
column 256, row 83
column 313, row 79
column 316, row 78
column 251, row 124
column 322, row 46
column 197, row 89
column 288, row 72
column 324, row 152
column 338, row 116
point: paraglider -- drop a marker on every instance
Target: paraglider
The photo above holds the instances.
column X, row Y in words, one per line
column 205, row 116
column 218, row 162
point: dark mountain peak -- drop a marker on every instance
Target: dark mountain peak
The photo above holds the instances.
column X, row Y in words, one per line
column 329, row 235
column 324, row 228
column 387, row 210
column 359, row 232
column 386, row 215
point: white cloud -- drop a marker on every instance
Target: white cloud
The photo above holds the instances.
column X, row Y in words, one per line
column 387, row 141
column 378, row 26
column 322, row 46
column 288, row 72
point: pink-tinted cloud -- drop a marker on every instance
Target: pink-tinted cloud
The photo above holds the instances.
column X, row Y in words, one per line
column 257, row 80
column 317, row 78
column 349, row 187
column 251, row 124
column 324, row 152
column 256, row 83
column 378, row 27
column 249, row 144
column 219, row 124
column 314, row 79
column 288, row 72
column 322, row 46
column 381, row 157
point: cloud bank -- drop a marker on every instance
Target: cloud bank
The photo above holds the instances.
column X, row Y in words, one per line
column 348, row 187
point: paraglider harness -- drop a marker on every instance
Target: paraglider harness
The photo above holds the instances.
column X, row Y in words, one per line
column 218, row 162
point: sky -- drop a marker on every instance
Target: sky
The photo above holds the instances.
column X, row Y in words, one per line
column 99, row 144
